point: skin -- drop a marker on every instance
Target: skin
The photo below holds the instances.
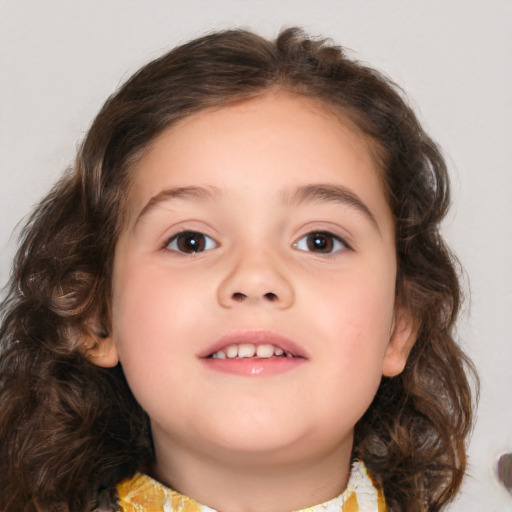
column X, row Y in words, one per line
column 242, row 443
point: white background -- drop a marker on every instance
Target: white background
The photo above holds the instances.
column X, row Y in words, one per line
column 59, row 60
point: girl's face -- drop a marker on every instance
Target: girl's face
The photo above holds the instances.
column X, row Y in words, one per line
column 253, row 288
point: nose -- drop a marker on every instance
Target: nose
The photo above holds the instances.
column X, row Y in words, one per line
column 256, row 278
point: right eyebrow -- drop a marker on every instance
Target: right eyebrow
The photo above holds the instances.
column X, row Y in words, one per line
column 177, row 193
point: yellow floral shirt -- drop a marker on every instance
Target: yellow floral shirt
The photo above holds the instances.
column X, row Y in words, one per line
column 143, row 494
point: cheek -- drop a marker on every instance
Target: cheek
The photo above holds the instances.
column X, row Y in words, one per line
column 356, row 317
column 148, row 311
column 360, row 303
column 362, row 330
column 149, row 321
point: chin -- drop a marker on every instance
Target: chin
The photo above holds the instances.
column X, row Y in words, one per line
column 253, row 439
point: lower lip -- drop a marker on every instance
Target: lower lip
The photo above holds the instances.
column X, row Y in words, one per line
column 254, row 366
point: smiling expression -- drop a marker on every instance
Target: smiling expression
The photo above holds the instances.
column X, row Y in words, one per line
column 254, row 285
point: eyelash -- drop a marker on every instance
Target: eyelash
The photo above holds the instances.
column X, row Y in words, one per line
column 331, row 244
column 187, row 237
column 334, row 243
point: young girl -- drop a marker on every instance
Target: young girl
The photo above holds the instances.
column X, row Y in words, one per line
column 238, row 299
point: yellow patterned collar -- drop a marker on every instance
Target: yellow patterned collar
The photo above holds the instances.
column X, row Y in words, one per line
column 142, row 493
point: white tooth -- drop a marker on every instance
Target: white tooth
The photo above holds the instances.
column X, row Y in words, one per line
column 232, row 351
column 289, row 355
column 246, row 350
column 278, row 351
column 219, row 355
column 265, row 351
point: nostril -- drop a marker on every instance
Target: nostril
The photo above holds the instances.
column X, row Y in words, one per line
column 239, row 296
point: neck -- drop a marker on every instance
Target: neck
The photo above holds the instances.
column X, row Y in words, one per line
column 254, row 483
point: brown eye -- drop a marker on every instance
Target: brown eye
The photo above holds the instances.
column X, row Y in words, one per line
column 320, row 242
column 191, row 242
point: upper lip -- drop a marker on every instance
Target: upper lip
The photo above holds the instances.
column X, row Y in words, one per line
column 256, row 337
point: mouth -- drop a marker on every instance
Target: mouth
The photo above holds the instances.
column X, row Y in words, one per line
column 247, row 350
column 253, row 344
column 253, row 353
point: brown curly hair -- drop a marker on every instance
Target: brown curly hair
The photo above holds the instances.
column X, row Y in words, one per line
column 69, row 428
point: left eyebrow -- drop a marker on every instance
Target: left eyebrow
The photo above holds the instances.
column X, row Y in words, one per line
column 332, row 194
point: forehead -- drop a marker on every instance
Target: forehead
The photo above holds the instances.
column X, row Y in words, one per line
column 273, row 110
column 276, row 142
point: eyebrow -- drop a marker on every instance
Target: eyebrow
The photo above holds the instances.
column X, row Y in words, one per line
column 177, row 193
column 332, row 194
column 306, row 193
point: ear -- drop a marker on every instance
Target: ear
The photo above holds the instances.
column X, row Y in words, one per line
column 99, row 348
column 403, row 336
